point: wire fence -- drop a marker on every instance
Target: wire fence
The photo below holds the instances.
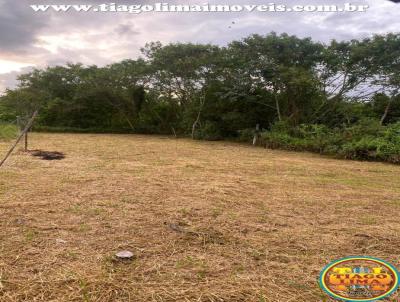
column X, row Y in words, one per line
column 10, row 129
column 14, row 122
column 19, row 122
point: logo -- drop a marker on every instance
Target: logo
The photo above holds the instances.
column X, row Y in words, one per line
column 359, row 279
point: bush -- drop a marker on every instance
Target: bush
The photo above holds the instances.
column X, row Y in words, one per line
column 368, row 140
column 365, row 140
column 209, row 131
column 365, row 148
column 316, row 138
column 246, row 135
column 392, row 133
column 8, row 131
column 277, row 140
column 364, row 127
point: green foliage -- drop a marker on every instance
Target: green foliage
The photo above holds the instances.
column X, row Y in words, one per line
column 377, row 143
column 8, row 131
column 209, row 131
column 316, row 138
column 324, row 98
column 246, row 135
column 366, row 140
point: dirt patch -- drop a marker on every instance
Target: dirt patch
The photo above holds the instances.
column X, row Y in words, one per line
column 48, row 155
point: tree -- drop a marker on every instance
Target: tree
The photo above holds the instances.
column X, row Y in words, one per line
column 180, row 73
column 282, row 65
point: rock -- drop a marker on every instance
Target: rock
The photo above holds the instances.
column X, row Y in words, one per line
column 61, row 241
column 124, row 255
column 20, row 221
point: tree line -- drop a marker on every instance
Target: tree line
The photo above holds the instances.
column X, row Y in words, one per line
column 299, row 91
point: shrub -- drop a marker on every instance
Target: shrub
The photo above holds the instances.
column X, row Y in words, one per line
column 277, row 140
column 368, row 140
column 365, row 140
column 392, row 133
column 209, row 131
column 364, row 127
column 316, row 138
column 365, row 148
column 246, row 135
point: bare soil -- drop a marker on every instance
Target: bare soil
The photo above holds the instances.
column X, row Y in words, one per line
column 47, row 155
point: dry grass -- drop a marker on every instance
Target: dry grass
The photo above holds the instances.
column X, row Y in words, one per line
column 206, row 221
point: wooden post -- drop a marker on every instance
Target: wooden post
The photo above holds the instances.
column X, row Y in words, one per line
column 256, row 134
column 26, row 129
column 19, row 123
column 26, row 141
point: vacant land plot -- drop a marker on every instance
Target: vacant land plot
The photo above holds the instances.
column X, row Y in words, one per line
column 206, row 221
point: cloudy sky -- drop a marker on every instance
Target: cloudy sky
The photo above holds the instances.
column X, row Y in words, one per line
column 30, row 39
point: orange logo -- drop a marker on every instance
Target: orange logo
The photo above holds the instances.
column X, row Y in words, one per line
column 359, row 279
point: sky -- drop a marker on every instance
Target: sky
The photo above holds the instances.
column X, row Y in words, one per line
column 30, row 39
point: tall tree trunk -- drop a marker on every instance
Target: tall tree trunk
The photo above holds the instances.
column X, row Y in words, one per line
column 278, row 108
column 129, row 122
column 277, row 105
column 196, row 122
column 385, row 113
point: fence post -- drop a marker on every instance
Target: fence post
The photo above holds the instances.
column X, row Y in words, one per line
column 27, row 127
column 256, row 135
column 26, row 141
column 19, row 123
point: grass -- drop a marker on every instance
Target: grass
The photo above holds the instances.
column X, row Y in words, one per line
column 207, row 221
column 8, row 131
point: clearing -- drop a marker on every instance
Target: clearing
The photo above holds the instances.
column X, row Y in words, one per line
column 207, row 221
